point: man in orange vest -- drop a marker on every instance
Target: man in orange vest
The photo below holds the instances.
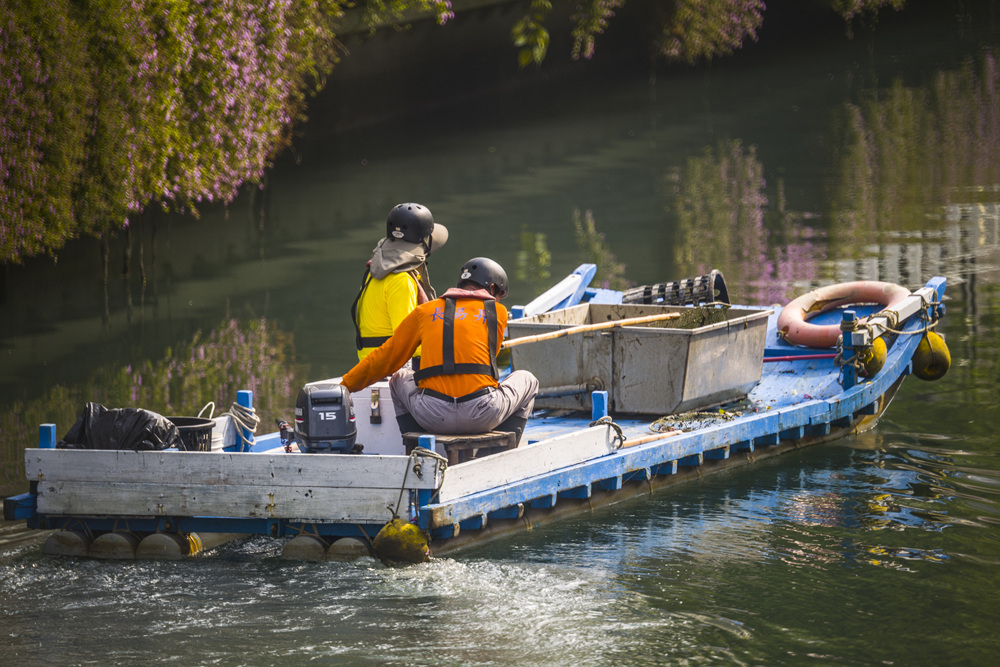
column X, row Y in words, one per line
column 396, row 277
column 457, row 388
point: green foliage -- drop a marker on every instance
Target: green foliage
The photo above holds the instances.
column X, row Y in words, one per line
column 725, row 220
column 530, row 36
column 861, row 12
column 589, row 20
column 719, row 200
column 376, row 13
column 694, row 30
column 211, row 368
column 719, row 205
column 111, row 105
column 45, row 95
column 687, row 31
column 852, row 9
column 19, row 424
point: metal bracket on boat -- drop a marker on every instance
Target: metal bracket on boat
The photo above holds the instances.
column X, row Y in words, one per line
column 859, row 336
column 847, row 352
column 417, row 465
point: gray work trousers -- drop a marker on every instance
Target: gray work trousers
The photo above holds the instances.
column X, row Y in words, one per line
column 515, row 395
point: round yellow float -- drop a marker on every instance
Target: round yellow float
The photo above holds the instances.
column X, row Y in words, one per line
column 932, row 358
column 401, row 542
column 872, row 358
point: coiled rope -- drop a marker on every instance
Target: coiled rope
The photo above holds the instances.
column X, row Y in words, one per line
column 246, row 419
column 893, row 320
column 619, row 436
column 928, row 323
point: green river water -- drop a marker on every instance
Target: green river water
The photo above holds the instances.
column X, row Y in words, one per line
column 819, row 161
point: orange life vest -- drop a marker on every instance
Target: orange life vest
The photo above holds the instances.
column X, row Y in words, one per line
column 461, row 339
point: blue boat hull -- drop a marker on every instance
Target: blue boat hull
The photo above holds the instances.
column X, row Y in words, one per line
column 573, row 463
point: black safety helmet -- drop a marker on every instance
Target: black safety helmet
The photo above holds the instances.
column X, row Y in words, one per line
column 410, row 222
column 485, row 272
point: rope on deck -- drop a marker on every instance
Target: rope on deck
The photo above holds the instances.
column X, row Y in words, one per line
column 619, row 436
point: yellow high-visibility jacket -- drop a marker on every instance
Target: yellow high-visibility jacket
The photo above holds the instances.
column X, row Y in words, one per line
column 383, row 305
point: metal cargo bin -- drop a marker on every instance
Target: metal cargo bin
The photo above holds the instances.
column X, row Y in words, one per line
column 646, row 368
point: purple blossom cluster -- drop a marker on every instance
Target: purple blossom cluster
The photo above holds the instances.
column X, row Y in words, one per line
column 589, row 20
column 41, row 132
column 443, row 11
column 218, row 80
column 135, row 102
column 704, row 29
column 851, row 9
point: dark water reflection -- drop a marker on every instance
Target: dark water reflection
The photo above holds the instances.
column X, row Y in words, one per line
column 870, row 159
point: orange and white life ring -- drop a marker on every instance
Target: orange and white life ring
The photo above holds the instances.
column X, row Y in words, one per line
column 792, row 322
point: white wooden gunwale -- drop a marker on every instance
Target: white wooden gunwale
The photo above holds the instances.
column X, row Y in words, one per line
column 543, row 302
column 322, row 487
column 125, row 499
column 526, row 461
column 228, row 468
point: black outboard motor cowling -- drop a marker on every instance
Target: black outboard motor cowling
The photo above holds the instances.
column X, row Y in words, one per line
column 324, row 419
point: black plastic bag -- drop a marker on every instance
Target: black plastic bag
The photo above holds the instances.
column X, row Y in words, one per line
column 121, row 428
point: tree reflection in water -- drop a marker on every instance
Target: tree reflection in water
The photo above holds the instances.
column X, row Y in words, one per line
column 903, row 150
column 719, row 202
column 234, row 356
column 897, row 154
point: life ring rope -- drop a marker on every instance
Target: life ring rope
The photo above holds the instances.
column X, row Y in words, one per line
column 926, row 305
column 793, row 323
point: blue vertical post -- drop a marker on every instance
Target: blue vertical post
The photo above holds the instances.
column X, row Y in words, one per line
column 846, row 326
column 244, row 398
column 598, row 405
column 424, row 495
column 46, row 436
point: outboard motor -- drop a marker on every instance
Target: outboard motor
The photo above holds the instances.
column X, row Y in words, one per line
column 324, row 419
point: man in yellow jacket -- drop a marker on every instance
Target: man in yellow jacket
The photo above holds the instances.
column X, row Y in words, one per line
column 396, row 278
column 457, row 388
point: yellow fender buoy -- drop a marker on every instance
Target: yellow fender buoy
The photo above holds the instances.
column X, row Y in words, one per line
column 932, row 358
column 401, row 542
column 873, row 358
